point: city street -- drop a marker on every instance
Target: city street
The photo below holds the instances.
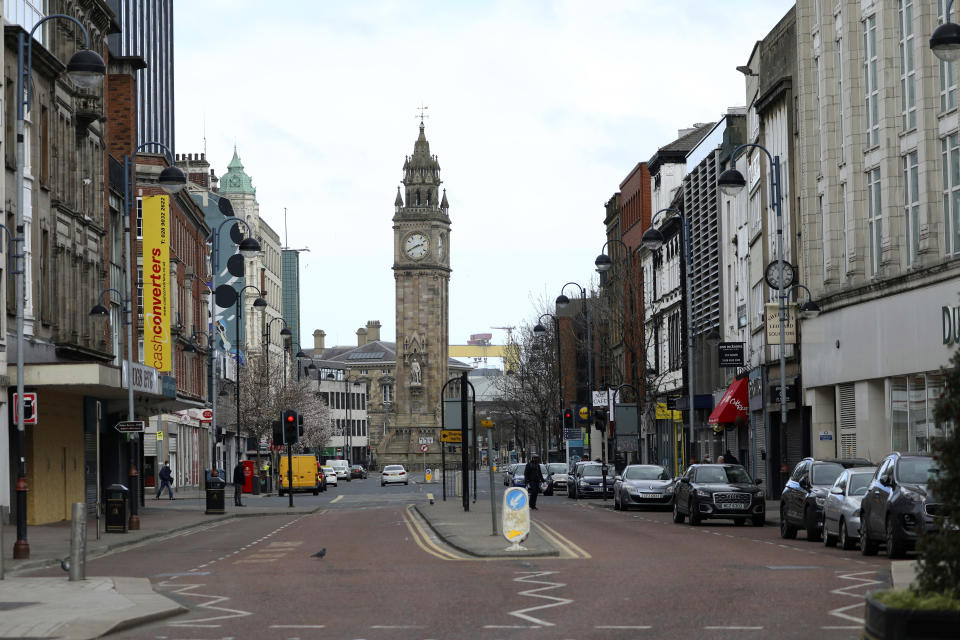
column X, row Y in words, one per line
column 384, row 575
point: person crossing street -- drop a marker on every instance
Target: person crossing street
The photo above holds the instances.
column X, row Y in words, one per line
column 533, row 477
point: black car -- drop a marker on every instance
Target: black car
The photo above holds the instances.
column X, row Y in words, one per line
column 801, row 502
column 898, row 507
column 587, row 481
column 358, row 471
column 718, row 491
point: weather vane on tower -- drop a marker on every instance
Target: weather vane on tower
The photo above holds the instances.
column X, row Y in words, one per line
column 421, row 109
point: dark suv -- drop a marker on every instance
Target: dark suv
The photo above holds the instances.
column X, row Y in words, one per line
column 801, row 503
column 898, row 507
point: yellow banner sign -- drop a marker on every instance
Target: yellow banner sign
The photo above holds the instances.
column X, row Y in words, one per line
column 156, row 283
column 451, row 435
column 772, row 315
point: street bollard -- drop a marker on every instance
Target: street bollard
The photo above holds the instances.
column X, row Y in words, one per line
column 78, row 542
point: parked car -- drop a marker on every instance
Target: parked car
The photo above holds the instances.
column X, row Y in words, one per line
column 358, row 471
column 841, row 510
column 329, row 474
column 898, row 507
column 394, row 474
column 642, row 485
column 718, row 491
column 801, row 502
column 558, row 475
column 587, row 480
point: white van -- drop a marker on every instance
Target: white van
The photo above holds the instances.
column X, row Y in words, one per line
column 342, row 467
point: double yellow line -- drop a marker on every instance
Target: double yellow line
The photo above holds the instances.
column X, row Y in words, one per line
column 428, row 542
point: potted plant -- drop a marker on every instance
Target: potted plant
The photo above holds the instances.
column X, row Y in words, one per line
column 930, row 608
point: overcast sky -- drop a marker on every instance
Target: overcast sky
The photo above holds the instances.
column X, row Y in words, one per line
column 537, row 111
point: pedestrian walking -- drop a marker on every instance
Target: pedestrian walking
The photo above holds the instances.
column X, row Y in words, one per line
column 166, row 480
column 237, row 484
column 720, row 460
column 532, row 477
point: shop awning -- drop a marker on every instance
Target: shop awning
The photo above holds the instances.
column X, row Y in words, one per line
column 733, row 405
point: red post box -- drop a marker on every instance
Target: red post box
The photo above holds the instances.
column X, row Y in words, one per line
column 248, row 473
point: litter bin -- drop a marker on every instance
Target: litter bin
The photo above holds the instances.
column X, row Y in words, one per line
column 117, row 498
column 215, row 491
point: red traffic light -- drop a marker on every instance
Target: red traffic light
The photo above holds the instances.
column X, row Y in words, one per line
column 291, row 418
column 567, row 414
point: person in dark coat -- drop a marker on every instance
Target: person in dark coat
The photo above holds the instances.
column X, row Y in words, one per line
column 532, row 477
column 729, row 458
column 166, row 479
column 238, row 484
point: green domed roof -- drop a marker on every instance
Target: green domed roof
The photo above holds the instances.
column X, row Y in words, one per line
column 236, row 180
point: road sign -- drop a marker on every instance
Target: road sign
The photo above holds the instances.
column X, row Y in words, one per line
column 426, row 439
column 515, row 522
column 486, row 423
column 29, row 407
column 135, row 426
column 451, row 435
column 206, row 415
column 424, row 448
column 572, row 434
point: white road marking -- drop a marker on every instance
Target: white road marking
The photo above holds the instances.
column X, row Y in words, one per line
column 530, row 578
column 298, row 626
column 396, row 626
column 337, row 499
column 733, row 628
column 860, row 583
column 512, row 626
column 623, row 626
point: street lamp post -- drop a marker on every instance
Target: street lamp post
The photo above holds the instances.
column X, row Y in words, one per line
column 259, row 303
column 249, row 248
column 945, row 40
column 653, row 239
column 284, row 333
column 539, row 330
column 731, row 182
column 86, row 69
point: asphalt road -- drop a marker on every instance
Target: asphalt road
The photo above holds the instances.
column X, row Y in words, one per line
column 626, row 575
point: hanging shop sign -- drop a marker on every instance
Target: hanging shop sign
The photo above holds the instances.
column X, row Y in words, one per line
column 156, row 283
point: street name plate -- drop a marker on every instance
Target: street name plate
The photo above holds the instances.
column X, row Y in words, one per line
column 135, row 426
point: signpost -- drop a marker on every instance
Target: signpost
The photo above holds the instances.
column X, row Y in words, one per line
column 29, row 407
column 451, row 435
column 133, row 426
column 423, row 449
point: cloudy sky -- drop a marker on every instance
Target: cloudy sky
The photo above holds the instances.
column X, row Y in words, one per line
column 537, row 111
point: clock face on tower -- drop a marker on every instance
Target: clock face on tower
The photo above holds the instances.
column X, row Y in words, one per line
column 416, row 246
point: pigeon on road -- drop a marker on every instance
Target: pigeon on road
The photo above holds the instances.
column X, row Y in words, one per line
column 320, row 554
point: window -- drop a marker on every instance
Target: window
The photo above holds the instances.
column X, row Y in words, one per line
column 911, row 205
column 840, row 94
column 139, row 218
column 845, row 230
column 387, row 391
column 912, row 402
column 948, row 76
column 824, row 235
column 874, row 220
column 870, row 81
column 674, row 352
column 950, row 147
column 908, row 67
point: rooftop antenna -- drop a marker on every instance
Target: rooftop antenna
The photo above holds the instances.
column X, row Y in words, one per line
column 204, row 133
column 286, row 237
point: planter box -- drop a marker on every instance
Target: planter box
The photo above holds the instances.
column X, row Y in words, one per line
column 885, row 623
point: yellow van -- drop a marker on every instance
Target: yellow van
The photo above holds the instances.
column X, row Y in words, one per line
column 305, row 476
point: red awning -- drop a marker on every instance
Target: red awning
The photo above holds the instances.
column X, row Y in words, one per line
column 733, row 405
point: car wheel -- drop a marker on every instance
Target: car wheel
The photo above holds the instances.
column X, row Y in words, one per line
column 407, row 483
column 843, row 538
column 787, row 530
column 694, row 514
column 895, row 545
column 616, row 502
column 811, row 524
column 868, row 547
column 739, row 521
column 828, row 540
column 757, row 520
column 316, row 491
column 383, row 484
column 677, row 516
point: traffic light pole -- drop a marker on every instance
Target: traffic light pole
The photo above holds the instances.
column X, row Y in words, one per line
column 290, row 473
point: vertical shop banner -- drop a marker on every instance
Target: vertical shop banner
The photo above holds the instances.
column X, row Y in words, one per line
column 156, row 283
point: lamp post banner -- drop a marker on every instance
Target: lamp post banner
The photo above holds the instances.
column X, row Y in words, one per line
column 156, row 276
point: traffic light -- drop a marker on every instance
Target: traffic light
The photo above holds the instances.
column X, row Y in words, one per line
column 291, row 429
column 277, row 433
column 299, row 426
column 568, row 418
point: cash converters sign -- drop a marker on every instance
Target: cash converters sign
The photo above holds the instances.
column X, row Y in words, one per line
column 156, row 283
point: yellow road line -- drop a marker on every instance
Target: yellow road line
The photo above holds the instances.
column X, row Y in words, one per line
column 337, row 499
column 423, row 541
column 564, row 543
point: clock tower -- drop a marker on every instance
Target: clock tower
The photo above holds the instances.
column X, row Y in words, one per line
column 421, row 268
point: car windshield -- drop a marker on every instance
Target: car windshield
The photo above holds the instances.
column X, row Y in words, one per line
column 825, row 473
column 558, row 467
column 393, row 467
column 650, row 472
column 915, row 470
column 717, row 474
column 857, row 484
column 594, row 470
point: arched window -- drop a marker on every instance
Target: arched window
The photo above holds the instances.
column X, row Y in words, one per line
column 428, row 197
column 418, row 197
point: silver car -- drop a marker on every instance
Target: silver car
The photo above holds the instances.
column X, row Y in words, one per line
column 647, row 485
column 841, row 507
column 558, row 475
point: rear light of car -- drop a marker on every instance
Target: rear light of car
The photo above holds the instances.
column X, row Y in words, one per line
column 403, row 473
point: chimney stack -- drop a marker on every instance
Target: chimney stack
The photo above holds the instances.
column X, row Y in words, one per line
column 373, row 330
column 318, row 337
column 361, row 337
